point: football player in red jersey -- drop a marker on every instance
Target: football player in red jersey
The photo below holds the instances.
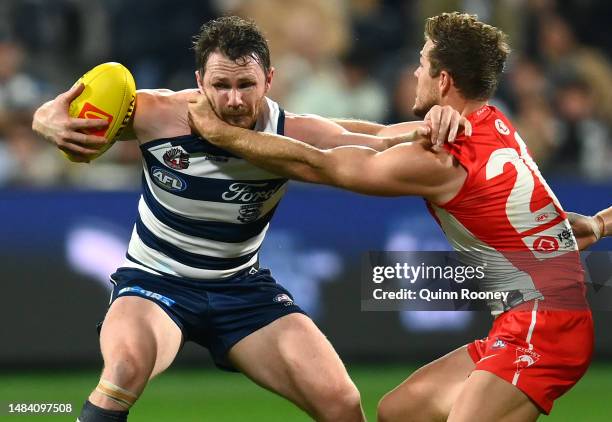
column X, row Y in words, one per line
column 489, row 196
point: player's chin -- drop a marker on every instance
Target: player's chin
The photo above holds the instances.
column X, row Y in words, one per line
column 419, row 111
column 245, row 122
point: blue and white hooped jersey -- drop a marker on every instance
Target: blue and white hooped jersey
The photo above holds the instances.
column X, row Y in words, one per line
column 203, row 212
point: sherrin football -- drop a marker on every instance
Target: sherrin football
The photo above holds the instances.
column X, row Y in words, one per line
column 110, row 94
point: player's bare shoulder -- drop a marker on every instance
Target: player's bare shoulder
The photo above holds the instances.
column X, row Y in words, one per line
column 161, row 113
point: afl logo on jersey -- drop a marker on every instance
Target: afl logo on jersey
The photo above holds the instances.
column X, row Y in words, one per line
column 168, row 180
column 545, row 244
column 176, row 158
column 501, row 127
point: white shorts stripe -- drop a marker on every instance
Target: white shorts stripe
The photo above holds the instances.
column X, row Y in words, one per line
column 534, row 316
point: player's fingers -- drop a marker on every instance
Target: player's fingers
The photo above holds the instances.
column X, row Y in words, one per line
column 189, row 116
column 84, row 124
column 194, row 97
column 454, row 127
column 467, row 126
column 424, row 131
column 75, row 156
column 434, row 123
column 190, row 119
column 193, row 100
column 444, row 127
column 72, row 93
column 83, row 139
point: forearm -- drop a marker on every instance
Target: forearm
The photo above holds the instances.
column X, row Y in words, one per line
column 278, row 154
column 378, row 143
column 360, row 126
column 400, row 128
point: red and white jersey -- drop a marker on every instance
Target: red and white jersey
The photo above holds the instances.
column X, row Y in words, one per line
column 506, row 215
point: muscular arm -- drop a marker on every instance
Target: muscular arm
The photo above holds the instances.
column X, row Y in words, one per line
column 325, row 134
column 377, row 129
column 360, row 126
column 444, row 123
column 407, row 169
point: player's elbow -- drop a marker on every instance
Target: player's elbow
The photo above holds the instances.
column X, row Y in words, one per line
column 340, row 172
column 313, row 167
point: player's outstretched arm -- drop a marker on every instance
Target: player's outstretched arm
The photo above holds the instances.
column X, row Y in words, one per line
column 407, row 169
column 444, row 122
column 53, row 123
column 589, row 230
column 325, row 134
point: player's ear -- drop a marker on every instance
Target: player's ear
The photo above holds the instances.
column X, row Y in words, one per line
column 269, row 77
column 199, row 80
column 445, row 82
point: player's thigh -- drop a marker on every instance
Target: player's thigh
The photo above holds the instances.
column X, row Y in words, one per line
column 293, row 358
column 139, row 332
column 429, row 393
column 486, row 397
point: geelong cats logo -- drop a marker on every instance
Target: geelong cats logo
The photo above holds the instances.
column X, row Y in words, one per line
column 176, row 158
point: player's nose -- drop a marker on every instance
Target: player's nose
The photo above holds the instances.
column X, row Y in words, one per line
column 235, row 99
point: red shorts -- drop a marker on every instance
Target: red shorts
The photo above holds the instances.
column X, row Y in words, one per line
column 542, row 352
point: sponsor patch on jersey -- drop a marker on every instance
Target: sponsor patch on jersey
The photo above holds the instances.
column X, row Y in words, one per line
column 566, row 238
column 546, row 244
column 176, row 158
column 284, row 299
column 542, row 217
column 147, row 293
column 501, row 127
column 215, row 158
column 250, row 192
column 168, row 180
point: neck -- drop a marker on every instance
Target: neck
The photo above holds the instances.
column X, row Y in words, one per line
column 462, row 105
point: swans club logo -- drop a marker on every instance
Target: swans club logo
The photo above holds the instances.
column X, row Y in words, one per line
column 176, row 158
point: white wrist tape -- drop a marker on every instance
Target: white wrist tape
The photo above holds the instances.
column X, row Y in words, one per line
column 595, row 227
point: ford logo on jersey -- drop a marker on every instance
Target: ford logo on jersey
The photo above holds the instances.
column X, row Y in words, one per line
column 249, row 192
column 168, row 180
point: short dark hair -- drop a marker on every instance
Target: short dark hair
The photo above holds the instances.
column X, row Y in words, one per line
column 235, row 38
column 472, row 52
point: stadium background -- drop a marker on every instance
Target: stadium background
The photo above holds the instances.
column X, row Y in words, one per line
column 65, row 226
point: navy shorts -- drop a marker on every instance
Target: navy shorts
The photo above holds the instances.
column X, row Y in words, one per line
column 215, row 314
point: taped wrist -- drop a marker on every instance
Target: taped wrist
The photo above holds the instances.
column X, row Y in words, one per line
column 604, row 220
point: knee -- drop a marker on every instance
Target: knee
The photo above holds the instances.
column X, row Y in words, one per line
column 127, row 368
column 412, row 402
column 340, row 403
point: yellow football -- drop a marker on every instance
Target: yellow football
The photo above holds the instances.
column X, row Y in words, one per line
column 110, row 94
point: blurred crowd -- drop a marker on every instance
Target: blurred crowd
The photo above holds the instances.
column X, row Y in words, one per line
column 337, row 58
